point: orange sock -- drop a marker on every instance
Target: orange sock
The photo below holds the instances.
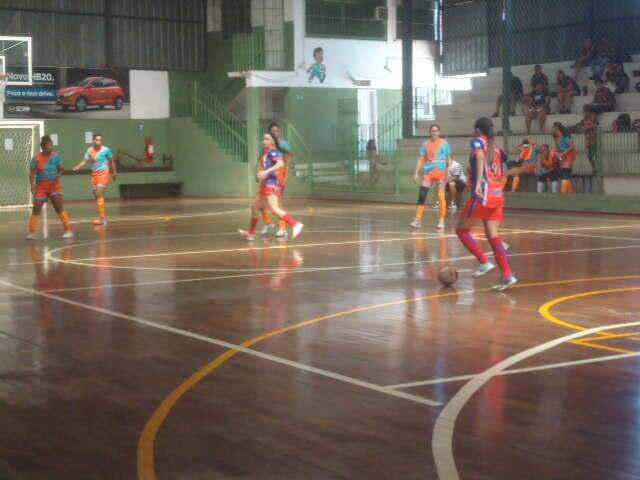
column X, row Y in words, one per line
column 515, row 186
column 283, row 225
column 266, row 217
column 66, row 221
column 33, row 223
column 570, row 187
column 442, row 202
column 419, row 213
column 567, row 186
column 100, row 203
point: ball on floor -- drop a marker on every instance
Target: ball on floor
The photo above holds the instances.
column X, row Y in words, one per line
column 448, row 276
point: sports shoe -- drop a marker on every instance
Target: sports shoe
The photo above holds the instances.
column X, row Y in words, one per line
column 68, row 234
column 453, row 206
column 297, row 228
column 281, row 234
column 100, row 221
column 415, row 224
column 30, row 236
column 505, row 283
column 441, row 224
column 266, row 229
column 247, row 235
column 483, row 269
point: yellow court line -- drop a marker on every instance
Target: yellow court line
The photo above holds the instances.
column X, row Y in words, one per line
column 611, row 336
column 599, row 346
column 146, row 442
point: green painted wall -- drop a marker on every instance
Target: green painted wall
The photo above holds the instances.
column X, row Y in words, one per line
column 202, row 166
column 325, row 117
column 118, row 134
column 387, row 99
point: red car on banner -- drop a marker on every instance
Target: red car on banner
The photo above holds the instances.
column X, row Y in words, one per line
column 98, row 91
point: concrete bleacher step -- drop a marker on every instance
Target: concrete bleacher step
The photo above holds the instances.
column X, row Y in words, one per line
column 626, row 102
column 464, row 125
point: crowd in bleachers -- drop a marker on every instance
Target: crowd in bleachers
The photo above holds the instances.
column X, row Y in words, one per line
column 607, row 74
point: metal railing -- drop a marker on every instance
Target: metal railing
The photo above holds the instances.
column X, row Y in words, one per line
column 191, row 99
column 356, row 170
column 248, row 51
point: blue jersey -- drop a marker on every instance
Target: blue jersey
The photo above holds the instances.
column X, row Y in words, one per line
column 269, row 159
column 480, row 144
column 46, row 166
column 99, row 158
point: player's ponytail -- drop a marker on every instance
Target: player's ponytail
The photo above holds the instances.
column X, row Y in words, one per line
column 276, row 143
column 485, row 126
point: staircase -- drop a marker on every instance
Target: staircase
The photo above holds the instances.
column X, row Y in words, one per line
column 192, row 99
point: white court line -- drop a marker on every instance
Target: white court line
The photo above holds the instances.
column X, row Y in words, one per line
column 311, row 270
column 442, row 440
column 327, row 269
column 230, row 346
column 550, row 366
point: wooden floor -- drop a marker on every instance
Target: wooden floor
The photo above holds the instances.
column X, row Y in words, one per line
column 165, row 346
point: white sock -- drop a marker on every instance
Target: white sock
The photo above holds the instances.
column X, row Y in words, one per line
column 554, row 187
column 541, row 187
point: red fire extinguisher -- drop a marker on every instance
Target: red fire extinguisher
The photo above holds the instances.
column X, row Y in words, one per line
column 149, row 151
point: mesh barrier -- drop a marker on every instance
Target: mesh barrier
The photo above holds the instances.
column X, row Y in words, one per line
column 17, row 144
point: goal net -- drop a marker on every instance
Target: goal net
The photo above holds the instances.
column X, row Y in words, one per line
column 19, row 142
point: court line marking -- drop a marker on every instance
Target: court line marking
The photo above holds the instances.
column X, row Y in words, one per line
column 326, row 269
column 513, row 371
column 224, row 344
column 442, row 439
column 347, row 242
column 146, row 442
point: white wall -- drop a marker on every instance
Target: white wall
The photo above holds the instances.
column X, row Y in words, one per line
column 149, row 94
column 347, row 60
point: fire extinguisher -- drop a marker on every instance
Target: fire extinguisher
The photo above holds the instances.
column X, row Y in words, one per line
column 149, row 151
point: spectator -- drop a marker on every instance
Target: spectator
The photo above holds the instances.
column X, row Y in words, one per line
column 517, row 96
column 589, row 125
column 610, row 77
column 566, row 90
column 373, row 159
column 586, row 55
column 548, row 170
column 538, row 107
column 602, row 57
column 539, row 78
column 603, row 100
column 456, row 183
column 621, row 80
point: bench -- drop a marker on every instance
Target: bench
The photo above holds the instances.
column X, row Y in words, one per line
column 150, row 190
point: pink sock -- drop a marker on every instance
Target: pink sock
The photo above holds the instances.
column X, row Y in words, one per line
column 253, row 225
column 290, row 220
column 501, row 256
column 470, row 244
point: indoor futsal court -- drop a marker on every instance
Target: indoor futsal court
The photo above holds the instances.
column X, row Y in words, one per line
column 319, row 239
column 168, row 346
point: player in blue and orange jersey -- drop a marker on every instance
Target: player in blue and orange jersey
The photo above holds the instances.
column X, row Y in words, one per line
column 487, row 172
column 567, row 153
column 271, row 161
column 46, row 170
column 102, row 168
column 283, row 176
column 432, row 167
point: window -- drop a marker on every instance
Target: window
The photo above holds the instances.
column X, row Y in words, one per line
column 423, row 20
column 346, row 19
column 236, row 17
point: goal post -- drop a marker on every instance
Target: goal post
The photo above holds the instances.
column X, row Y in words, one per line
column 19, row 143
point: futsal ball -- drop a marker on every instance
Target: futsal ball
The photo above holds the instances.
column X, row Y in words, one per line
column 311, row 209
column 448, row 276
